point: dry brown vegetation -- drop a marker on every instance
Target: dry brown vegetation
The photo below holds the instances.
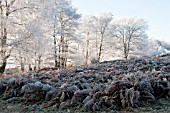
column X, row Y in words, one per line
column 135, row 85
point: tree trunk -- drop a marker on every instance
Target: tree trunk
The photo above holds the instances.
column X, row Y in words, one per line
column 58, row 58
column 3, row 40
column 22, row 65
column 55, row 53
column 66, row 53
column 126, row 57
column 100, row 48
column 3, row 51
column 2, row 67
column 96, row 46
column 35, row 61
column 125, row 51
column 87, row 48
column 55, row 48
column 39, row 62
column 61, row 51
column 87, row 56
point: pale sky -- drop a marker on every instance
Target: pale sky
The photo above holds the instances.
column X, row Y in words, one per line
column 155, row 12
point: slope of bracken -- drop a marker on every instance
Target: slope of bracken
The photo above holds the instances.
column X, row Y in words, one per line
column 111, row 86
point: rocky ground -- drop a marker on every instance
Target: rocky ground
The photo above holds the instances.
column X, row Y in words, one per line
column 135, row 85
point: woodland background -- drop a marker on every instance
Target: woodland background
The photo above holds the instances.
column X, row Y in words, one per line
column 41, row 33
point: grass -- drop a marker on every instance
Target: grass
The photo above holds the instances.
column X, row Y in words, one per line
column 16, row 105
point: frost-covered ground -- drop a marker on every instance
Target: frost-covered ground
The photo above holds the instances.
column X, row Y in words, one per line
column 135, row 85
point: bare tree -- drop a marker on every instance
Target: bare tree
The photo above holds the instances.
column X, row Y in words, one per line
column 102, row 27
column 129, row 33
column 7, row 8
column 67, row 24
column 64, row 22
column 87, row 29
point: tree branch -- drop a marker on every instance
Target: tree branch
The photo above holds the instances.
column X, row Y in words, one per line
column 17, row 9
